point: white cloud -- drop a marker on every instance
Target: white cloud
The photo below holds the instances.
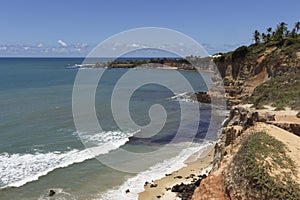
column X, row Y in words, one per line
column 77, row 49
column 134, row 45
column 62, row 43
column 43, row 49
column 81, row 45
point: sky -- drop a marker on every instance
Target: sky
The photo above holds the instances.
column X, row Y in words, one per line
column 74, row 27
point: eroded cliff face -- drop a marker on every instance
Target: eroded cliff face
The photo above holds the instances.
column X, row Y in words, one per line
column 212, row 188
column 242, row 71
column 236, row 128
column 247, row 67
column 242, row 122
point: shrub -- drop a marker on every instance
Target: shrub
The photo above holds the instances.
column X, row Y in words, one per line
column 240, row 52
column 262, row 169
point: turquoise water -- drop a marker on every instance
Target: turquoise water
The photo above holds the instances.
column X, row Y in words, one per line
column 40, row 148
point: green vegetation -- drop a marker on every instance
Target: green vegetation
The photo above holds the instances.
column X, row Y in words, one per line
column 280, row 92
column 263, row 170
column 180, row 63
column 275, row 53
column 287, row 41
column 256, row 36
column 280, row 34
column 282, row 38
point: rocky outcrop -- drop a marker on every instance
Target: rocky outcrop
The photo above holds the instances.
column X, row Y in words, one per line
column 239, row 120
column 290, row 127
column 246, row 117
column 202, row 97
column 211, row 188
column 242, row 71
column 248, row 67
column 186, row 191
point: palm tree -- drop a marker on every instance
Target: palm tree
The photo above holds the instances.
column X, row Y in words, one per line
column 256, row 37
column 264, row 37
column 293, row 34
column 297, row 26
column 284, row 29
column 269, row 30
column 280, row 31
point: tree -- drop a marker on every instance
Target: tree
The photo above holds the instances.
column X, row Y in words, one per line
column 284, row 29
column 264, row 37
column 293, row 34
column 256, row 37
column 280, row 32
column 297, row 26
column 270, row 34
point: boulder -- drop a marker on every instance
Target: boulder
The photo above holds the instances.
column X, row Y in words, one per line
column 295, row 129
column 51, row 193
column 179, row 177
column 178, row 188
column 197, row 183
column 264, row 117
column 153, row 185
column 203, row 97
column 298, row 114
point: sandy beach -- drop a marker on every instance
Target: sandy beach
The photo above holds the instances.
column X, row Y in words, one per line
column 161, row 189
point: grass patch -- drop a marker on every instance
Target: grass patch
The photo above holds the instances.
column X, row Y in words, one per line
column 262, row 169
column 280, row 92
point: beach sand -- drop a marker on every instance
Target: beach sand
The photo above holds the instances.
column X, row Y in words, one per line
column 184, row 175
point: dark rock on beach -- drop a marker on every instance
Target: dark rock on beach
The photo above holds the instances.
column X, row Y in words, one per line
column 153, row 185
column 51, row 193
column 178, row 177
column 202, row 97
column 178, row 188
column 185, row 191
column 298, row 114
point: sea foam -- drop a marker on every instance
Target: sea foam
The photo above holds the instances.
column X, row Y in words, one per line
column 183, row 97
column 18, row 169
column 158, row 171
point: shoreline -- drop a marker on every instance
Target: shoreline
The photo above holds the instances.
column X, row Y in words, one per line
column 161, row 188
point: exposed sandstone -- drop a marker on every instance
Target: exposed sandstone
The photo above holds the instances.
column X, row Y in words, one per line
column 235, row 130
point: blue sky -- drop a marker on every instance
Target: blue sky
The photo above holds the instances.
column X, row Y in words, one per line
column 73, row 28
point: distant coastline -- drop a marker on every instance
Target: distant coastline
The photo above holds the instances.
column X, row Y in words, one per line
column 147, row 63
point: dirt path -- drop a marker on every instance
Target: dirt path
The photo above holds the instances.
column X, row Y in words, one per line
column 290, row 140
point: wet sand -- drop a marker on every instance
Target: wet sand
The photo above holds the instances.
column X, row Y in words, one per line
column 187, row 174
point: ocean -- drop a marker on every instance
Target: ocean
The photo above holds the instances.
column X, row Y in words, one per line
column 40, row 148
